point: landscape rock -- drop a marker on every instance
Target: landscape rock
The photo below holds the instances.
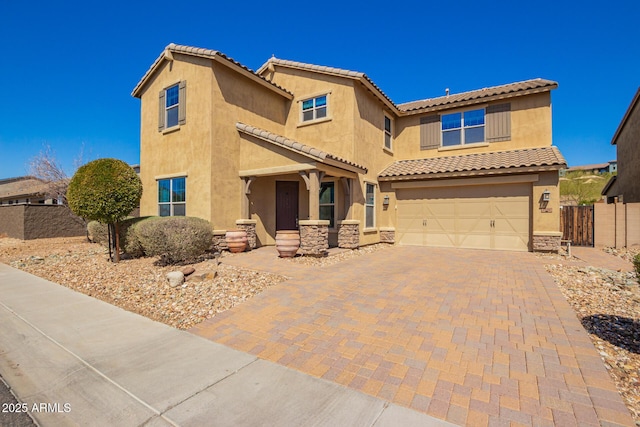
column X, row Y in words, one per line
column 188, row 270
column 175, row 278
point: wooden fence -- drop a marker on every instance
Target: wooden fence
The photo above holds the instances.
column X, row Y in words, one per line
column 576, row 224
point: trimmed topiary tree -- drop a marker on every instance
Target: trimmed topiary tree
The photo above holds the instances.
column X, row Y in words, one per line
column 105, row 190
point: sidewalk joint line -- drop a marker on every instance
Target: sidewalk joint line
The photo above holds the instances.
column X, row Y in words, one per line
column 88, row 365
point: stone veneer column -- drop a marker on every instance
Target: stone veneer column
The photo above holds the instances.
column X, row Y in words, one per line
column 314, row 237
column 248, row 225
column 349, row 234
column 387, row 235
column 546, row 241
column 219, row 240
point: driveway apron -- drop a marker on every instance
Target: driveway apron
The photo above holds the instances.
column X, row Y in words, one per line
column 473, row 337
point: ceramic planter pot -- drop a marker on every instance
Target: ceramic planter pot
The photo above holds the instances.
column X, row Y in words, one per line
column 236, row 240
column 287, row 242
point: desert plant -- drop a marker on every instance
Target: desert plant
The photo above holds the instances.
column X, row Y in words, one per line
column 98, row 233
column 636, row 265
column 105, row 190
column 175, row 240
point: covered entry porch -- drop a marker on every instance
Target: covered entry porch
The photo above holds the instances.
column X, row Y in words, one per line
column 287, row 185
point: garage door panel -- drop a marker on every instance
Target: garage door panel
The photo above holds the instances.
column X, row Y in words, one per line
column 510, row 243
column 474, row 241
column 479, row 217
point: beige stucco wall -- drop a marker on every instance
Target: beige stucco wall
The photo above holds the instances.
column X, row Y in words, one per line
column 546, row 216
column 207, row 148
column 335, row 134
column 530, row 127
column 185, row 151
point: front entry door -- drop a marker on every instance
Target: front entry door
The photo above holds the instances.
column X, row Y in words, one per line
column 286, row 205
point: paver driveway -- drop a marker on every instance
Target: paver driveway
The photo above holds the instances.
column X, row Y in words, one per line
column 473, row 337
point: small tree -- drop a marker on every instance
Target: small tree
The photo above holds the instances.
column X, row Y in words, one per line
column 583, row 187
column 105, row 190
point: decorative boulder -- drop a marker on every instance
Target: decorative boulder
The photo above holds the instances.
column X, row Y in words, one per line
column 175, row 278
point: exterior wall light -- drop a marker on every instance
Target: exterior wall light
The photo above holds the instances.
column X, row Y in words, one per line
column 546, row 195
column 385, row 200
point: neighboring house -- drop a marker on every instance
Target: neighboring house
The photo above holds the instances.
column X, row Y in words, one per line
column 26, row 212
column 599, row 168
column 325, row 151
column 24, row 189
column 626, row 185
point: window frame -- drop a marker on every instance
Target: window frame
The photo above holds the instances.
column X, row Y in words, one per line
column 463, row 128
column 172, row 107
column 372, row 205
column 172, row 203
column 330, row 204
column 314, row 109
column 388, row 133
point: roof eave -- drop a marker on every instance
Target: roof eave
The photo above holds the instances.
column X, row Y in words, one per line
column 261, row 81
column 627, row 113
column 481, row 100
column 167, row 55
column 473, row 173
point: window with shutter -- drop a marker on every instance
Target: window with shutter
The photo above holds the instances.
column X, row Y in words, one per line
column 172, row 106
column 498, row 122
column 430, row 132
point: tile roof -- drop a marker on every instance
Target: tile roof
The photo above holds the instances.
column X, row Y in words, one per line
column 475, row 164
column 481, row 95
column 296, row 146
column 200, row 52
column 356, row 75
column 21, row 186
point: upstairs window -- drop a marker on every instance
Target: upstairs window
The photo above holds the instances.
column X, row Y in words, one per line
column 462, row 128
column 172, row 197
column 173, row 101
column 171, row 107
column 314, row 108
column 388, row 132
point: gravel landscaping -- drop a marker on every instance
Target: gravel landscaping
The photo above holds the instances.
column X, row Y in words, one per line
column 608, row 305
column 606, row 302
column 137, row 285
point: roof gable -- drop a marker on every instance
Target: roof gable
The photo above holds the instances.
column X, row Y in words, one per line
column 305, row 150
column 167, row 55
column 332, row 71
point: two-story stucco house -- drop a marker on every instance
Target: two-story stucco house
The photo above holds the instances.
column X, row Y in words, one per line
column 325, row 151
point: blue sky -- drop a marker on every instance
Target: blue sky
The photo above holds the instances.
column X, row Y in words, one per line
column 67, row 68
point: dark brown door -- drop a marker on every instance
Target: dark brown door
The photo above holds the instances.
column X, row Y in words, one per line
column 286, row 205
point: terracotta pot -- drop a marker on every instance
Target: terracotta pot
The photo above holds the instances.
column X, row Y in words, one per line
column 236, row 240
column 287, row 242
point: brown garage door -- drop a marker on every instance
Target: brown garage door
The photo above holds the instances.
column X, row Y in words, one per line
column 480, row 217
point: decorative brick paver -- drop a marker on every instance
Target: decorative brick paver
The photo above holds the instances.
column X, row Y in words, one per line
column 473, row 337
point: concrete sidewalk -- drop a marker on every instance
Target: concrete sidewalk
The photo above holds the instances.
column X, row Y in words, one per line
column 75, row 360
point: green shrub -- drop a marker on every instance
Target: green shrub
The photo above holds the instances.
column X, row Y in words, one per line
column 176, row 240
column 636, row 264
column 128, row 238
column 97, row 232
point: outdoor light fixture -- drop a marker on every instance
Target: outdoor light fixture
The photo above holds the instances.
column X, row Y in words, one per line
column 385, row 201
column 546, row 195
